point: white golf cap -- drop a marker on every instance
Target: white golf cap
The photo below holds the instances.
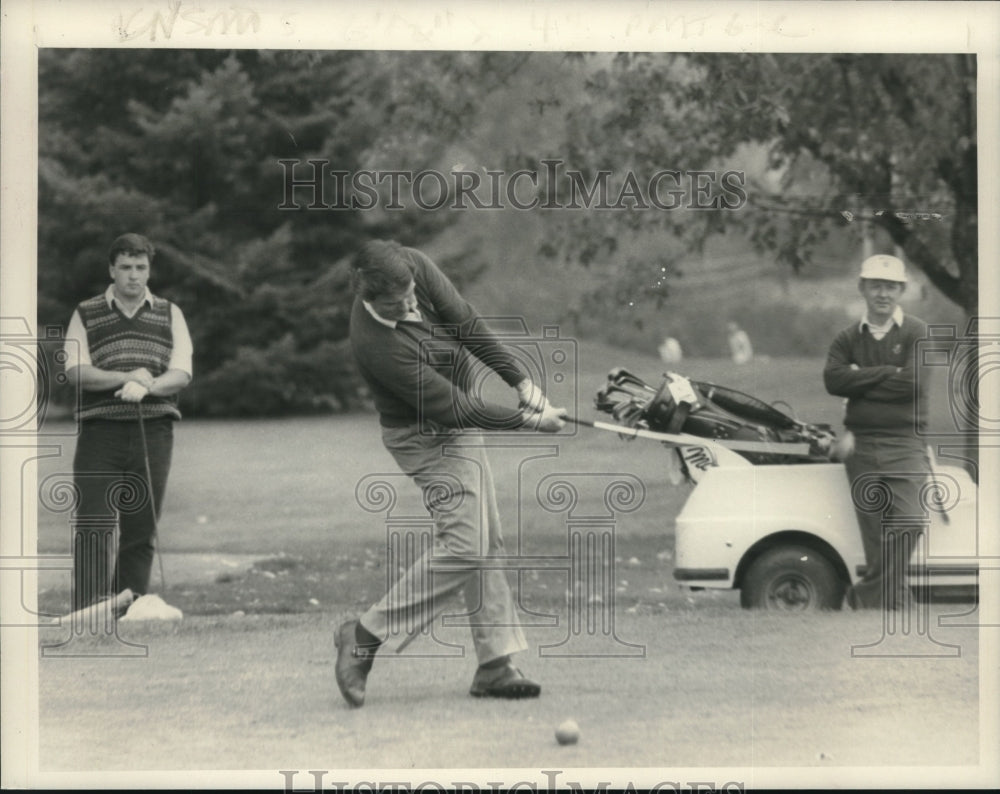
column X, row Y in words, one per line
column 885, row 267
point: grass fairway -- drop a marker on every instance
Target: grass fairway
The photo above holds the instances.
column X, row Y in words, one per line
column 267, row 547
column 716, row 687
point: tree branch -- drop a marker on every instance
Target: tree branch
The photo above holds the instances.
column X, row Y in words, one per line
column 922, row 257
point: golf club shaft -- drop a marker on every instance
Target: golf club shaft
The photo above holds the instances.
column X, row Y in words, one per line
column 936, row 491
column 152, row 496
column 689, row 440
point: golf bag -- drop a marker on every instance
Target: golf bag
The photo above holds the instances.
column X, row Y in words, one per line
column 680, row 405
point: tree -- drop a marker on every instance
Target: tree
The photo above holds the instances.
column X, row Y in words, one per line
column 887, row 140
column 186, row 147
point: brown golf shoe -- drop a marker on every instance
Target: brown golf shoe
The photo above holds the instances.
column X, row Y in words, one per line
column 503, row 682
column 353, row 664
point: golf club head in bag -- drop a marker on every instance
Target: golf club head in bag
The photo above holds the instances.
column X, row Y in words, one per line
column 680, row 405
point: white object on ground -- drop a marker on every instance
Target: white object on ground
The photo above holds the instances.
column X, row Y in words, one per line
column 152, row 607
column 568, row 732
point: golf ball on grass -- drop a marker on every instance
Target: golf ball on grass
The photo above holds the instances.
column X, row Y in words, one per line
column 568, row 732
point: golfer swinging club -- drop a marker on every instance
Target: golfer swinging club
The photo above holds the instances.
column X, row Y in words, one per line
column 423, row 407
column 123, row 347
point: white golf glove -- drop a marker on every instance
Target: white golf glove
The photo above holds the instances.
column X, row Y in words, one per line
column 132, row 392
column 842, row 448
column 531, row 397
column 548, row 420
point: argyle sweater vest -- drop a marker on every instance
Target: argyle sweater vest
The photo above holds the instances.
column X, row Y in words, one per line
column 122, row 344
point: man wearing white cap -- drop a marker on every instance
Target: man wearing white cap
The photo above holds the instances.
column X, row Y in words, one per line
column 872, row 364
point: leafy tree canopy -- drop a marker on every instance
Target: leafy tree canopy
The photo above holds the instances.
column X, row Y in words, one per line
column 882, row 141
column 186, row 145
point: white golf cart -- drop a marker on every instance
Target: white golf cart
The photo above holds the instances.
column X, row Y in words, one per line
column 770, row 514
column 787, row 536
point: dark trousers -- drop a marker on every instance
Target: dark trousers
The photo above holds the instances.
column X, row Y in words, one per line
column 887, row 475
column 109, row 471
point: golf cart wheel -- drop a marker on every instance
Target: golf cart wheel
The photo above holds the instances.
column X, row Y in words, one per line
column 791, row 579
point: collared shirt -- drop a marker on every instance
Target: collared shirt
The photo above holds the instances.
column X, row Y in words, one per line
column 77, row 348
column 411, row 317
column 879, row 331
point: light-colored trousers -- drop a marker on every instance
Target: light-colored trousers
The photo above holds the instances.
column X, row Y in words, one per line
column 452, row 470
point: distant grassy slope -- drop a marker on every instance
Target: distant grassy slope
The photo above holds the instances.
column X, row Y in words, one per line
column 784, row 313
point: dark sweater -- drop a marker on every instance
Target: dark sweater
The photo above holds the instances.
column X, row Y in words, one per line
column 883, row 394
column 425, row 371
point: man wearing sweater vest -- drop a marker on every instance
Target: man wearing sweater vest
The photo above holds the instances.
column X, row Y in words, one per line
column 420, row 380
column 125, row 348
column 873, row 365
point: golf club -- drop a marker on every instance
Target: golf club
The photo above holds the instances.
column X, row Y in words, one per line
column 683, row 439
column 152, row 498
column 936, row 489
